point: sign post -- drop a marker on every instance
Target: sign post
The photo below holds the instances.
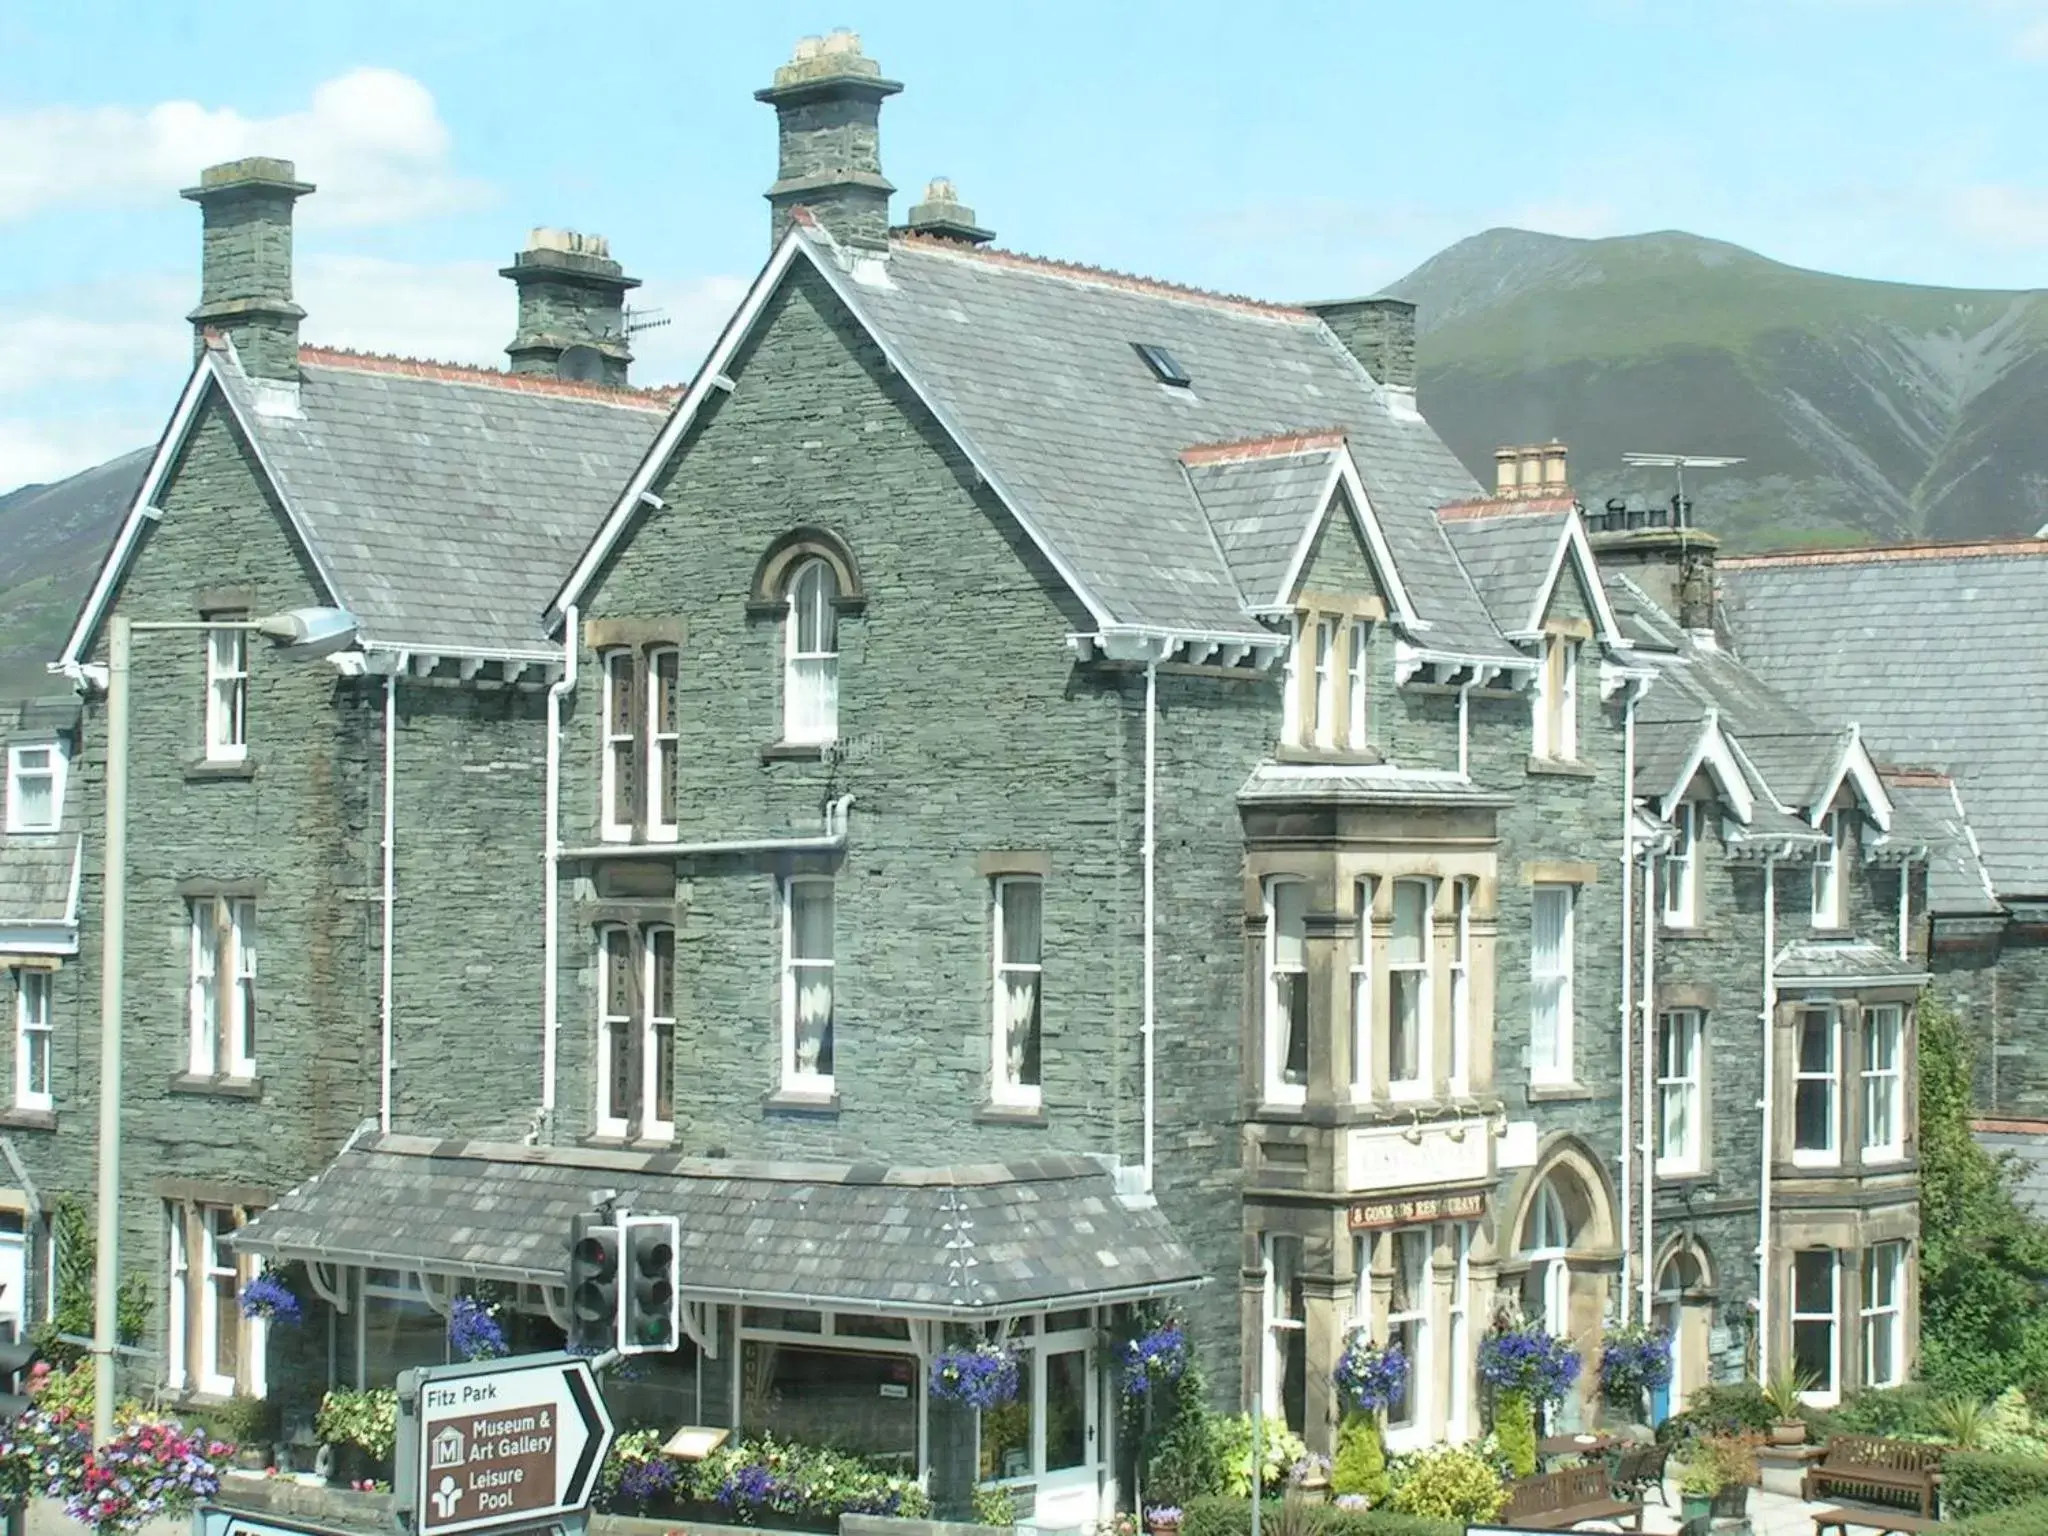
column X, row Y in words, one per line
column 496, row 1444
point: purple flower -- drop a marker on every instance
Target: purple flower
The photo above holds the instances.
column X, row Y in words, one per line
column 268, row 1296
column 1524, row 1358
column 1368, row 1377
column 1154, row 1358
column 473, row 1333
column 642, row 1482
column 982, row 1377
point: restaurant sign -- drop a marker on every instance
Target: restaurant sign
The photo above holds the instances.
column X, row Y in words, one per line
column 1370, row 1215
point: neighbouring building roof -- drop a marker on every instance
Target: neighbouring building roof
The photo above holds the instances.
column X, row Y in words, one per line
column 1930, row 812
column 2024, row 1144
column 1258, row 506
column 1939, row 653
column 938, row 1242
column 1369, row 785
column 40, row 871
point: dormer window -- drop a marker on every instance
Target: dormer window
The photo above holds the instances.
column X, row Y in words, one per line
column 35, row 786
column 1830, row 888
column 1325, row 683
column 1680, row 874
column 1557, row 700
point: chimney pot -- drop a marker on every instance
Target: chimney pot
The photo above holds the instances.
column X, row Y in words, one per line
column 571, row 294
column 1504, row 471
column 942, row 216
column 245, row 281
column 1554, row 475
column 1532, row 471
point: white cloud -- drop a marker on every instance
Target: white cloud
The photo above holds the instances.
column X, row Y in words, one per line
column 371, row 139
column 2033, row 43
column 92, row 334
column 38, row 450
column 2003, row 217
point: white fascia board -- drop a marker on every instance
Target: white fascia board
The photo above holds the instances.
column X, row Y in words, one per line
column 737, row 331
column 1344, row 474
column 38, row 938
column 1711, row 752
column 207, row 378
column 1571, row 540
column 1855, row 766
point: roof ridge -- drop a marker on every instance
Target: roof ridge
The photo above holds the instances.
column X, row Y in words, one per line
column 1274, row 445
column 1971, row 549
column 1132, row 282
column 660, row 398
column 1916, row 778
column 1508, row 506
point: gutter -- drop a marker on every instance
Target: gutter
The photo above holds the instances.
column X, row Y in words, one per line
column 550, row 874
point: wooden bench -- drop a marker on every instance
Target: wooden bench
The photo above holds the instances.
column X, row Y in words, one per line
column 1639, row 1472
column 1557, row 1501
column 1886, row 1522
column 1872, row 1471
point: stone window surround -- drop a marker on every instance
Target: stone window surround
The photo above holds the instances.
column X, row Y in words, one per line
column 642, row 640
column 1848, row 1233
column 1341, row 612
column 768, row 601
column 638, row 1122
column 193, row 1316
column 1848, row 1006
column 1335, row 877
column 1555, row 727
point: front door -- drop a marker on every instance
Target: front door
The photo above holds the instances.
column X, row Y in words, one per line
column 1070, row 1479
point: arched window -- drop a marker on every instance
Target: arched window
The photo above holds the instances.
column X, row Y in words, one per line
column 1546, row 1239
column 810, row 681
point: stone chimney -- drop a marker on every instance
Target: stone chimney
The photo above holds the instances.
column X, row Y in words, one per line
column 942, row 216
column 572, row 318
column 1380, row 333
column 245, row 281
column 1660, row 550
column 828, row 106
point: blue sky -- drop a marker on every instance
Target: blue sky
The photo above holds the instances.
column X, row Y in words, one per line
column 1285, row 150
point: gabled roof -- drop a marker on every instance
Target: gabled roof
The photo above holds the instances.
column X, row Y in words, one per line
column 439, row 504
column 1517, row 551
column 1939, row 652
column 1030, row 366
column 40, row 872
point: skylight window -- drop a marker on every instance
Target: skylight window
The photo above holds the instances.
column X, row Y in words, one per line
column 1163, row 364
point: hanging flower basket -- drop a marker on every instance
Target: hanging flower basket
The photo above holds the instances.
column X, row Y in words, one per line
column 1154, row 1359
column 1370, row 1378
column 1634, row 1360
column 474, row 1332
column 1523, row 1358
column 270, row 1298
column 983, row 1376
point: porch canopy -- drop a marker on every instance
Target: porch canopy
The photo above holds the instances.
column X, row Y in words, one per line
column 970, row 1242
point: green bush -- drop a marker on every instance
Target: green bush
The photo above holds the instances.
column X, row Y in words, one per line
column 1895, row 1413
column 1973, row 1482
column 2012, row 1428
column 366, row 1419
column 1718, row 1410
column 1448, row 1482
column 2020, row 1520
column 1233, row 1517
column 1514, row 1426
column 1279, row 1449
column 1360, row 1466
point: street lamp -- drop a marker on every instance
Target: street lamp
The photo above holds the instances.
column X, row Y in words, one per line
column 303, row 634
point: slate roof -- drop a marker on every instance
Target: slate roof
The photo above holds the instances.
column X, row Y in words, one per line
column 1929, row 810
column 2023, row 1145
column 447, row 502
column 940, row 1242
column 1507, row 554
column 1258, row 507
column 39, row 870
column 1939, row 653
column 1849, row 963
column 1375, row 784
column 1033, row 365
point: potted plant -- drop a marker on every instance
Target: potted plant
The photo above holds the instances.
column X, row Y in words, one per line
column 249, row 1425
column 1717, row 1476
column 1163, row 1520
column 361, row 1429
column 1782, row 1395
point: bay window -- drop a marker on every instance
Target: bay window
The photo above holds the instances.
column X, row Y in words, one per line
column 1679, row 1061
column 1883, row 1076
column 1408, row 1303
column 1019, row 926
column 1409, row 1013
column 1550, row 983
column 807, row 970
column 1286, row 1031
column 1815, row 1111
column 1284, row 1369
column 810, row 685
column 1882, row 1315
column 1816, row 1281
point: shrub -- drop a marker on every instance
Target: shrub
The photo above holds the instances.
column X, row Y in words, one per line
column 1514, row 1431
column 1233, row 1517
column 994, row 1506
column 2012, row 1427
column 1716, row 1410
column 1973, row 1482
column 810, row 1482
column 2021, row 1520
column 1449, row 1483
column 367, row 1419
column 1361, row 1464
column 1280, row 1448
column 1895, row 1413
column 1961, row 1422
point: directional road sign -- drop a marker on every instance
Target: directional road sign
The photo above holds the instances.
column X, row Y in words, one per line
column 513, row 1442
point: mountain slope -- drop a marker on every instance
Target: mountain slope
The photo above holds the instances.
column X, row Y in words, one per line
column 52, row 539
column 1865, row 410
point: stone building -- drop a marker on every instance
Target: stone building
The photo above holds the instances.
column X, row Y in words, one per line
column 1024, row 790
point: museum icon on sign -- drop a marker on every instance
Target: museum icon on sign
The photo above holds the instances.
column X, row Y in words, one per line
column 448, row 1449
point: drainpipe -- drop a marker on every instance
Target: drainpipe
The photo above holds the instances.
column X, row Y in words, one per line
column 1763, row 1206
column 1151, row 761
column 390, row 893
column 1648, row 1145
column 1465, row 725
column 1628, row 877
column 1905, row 908
column 550, row 876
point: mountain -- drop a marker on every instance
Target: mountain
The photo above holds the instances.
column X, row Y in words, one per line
column 1865, row 410
column 52, row 539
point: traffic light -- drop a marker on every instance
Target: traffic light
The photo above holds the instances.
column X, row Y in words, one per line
column 650, row 1311
column 593, row 1286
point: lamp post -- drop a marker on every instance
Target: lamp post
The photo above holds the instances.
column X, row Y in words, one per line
column 304, row 634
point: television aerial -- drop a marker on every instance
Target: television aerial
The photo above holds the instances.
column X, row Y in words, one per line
column 1679, row 462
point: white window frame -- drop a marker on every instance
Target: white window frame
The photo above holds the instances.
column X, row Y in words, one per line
column 1278, row 1022
column 1831, row 1155
column 1823, row 1394
column 652, row 1126
column 1829, row 886
column 227, row 694
column 1888, row 1259
column 1424, row 971
column 1549, row 1254
column 241, row 1037
column 795, row 1079
column 1883, row 1021
column 178, row 1338
column 33, row 1031
column 1290, row 683
column 612, row 1118
column 1272, row 1364
column 1358, row 680
column 1680, row 1083
column 810, row 709
column 1415, row 1430
column 615, row 743
column 1326, row 683
column 1458, row 1403
column 1558, row 1067
column 663, row 741
column 221, row 988
column 54, row 768
column 1362, row 992
column 1004, row 1089
column 1463, row 892
column 1680, row 867
column 216, row 1264
column 1557, row 700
